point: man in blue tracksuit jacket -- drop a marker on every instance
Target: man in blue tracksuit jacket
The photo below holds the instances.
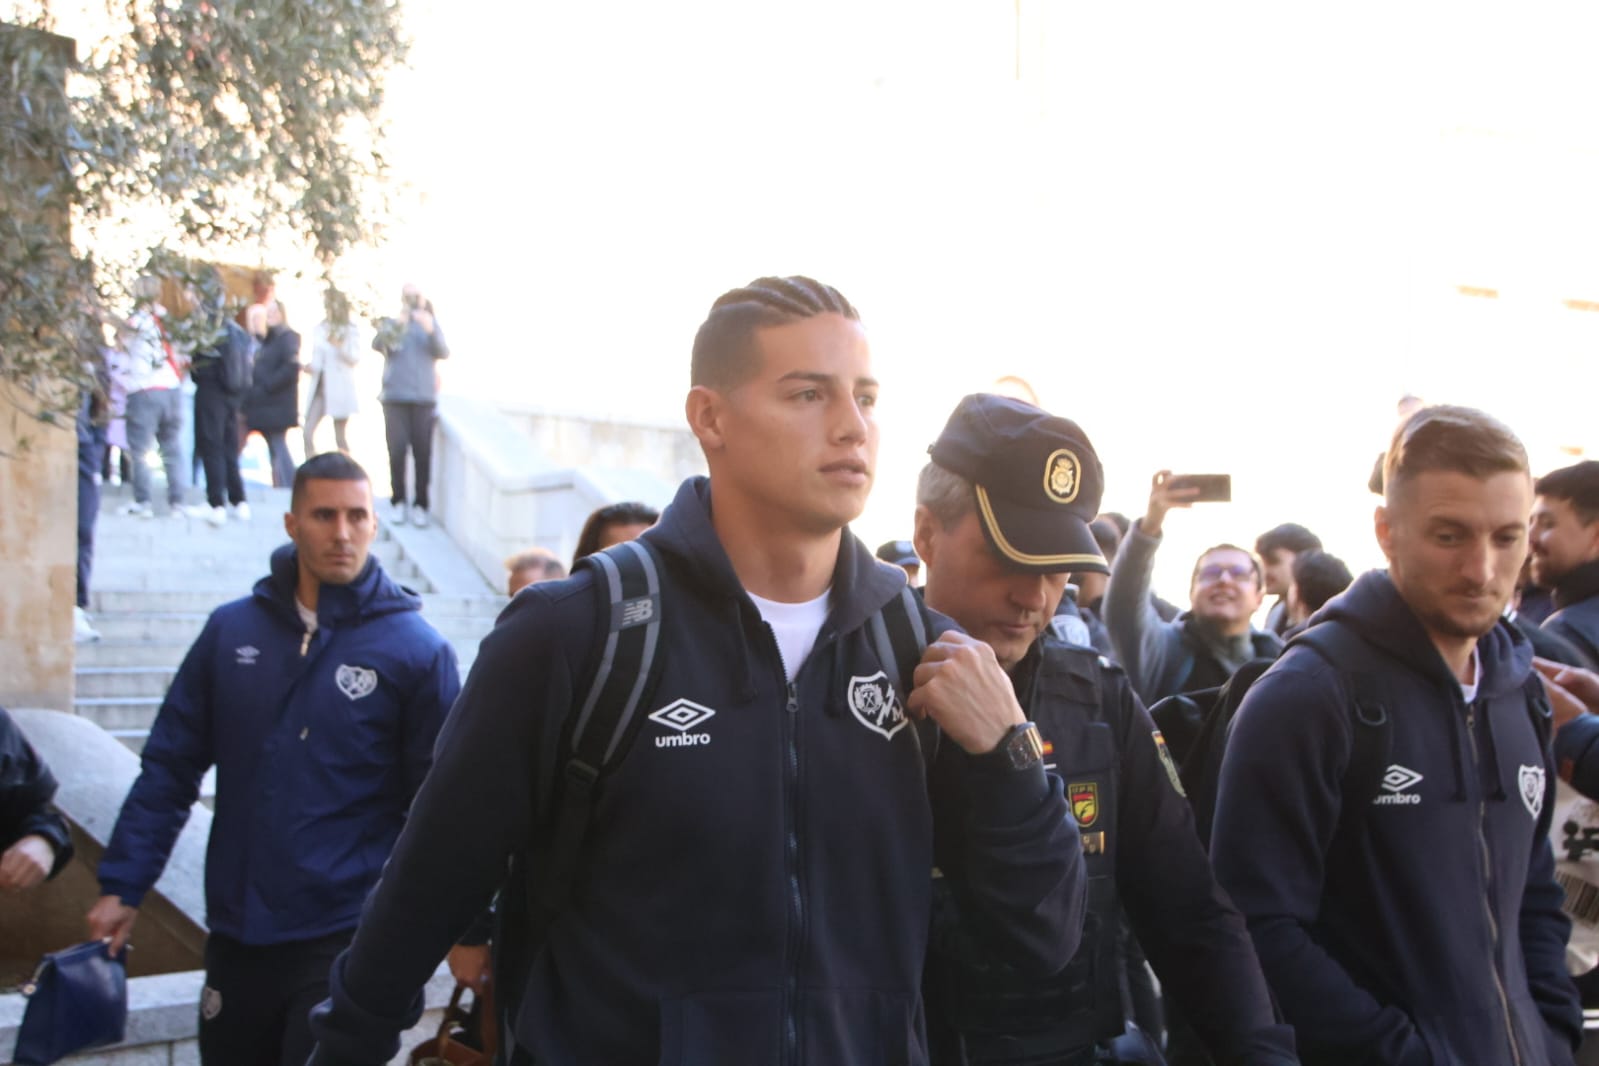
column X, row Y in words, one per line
column 1415, row 921
column 754, row 886
column 318, row 698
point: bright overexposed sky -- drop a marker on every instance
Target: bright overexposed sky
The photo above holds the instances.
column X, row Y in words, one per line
column 1222, row 237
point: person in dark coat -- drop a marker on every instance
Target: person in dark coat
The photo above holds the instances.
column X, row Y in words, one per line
column 1418, row 921
column 34, row 841
column 272, row 406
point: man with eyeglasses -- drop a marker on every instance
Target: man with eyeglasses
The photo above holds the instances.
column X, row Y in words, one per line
column 1204, row 645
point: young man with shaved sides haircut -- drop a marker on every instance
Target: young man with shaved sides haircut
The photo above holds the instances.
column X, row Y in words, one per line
column 1383, row 812
column 753, row 886
column 317, row 698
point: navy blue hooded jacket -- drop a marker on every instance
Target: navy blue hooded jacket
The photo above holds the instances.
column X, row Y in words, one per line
column 1576, row 617
column 319, row 746
column 760, row 895
column 1428, row 930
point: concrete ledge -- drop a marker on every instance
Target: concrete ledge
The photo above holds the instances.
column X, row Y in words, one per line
column 95, row 772
column 498, row 491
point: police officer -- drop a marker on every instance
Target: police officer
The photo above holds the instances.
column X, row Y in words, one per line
column 1002, row 516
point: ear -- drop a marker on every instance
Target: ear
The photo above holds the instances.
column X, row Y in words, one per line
column 1383, row 522
column 291, row 525
column 924, row 537
column 1592, row 529
column 705, row 408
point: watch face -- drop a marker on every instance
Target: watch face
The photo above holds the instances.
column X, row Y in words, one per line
column 1025, row 746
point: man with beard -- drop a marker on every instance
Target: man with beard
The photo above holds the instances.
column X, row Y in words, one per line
column 1565, row 554
column 1385, row 797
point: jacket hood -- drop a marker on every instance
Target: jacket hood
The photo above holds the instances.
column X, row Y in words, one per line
column 1373, row 607
column 861, row 584
column 371, row 594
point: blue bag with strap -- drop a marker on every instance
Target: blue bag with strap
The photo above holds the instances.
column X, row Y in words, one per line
column 77, row 999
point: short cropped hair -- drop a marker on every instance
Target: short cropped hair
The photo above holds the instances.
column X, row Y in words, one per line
column 629, row 513
column 1578, row 485
column 947, row 495
column 1319, row 577
column 541, row 559
column 1254, row 561
column 1290, row 536
column 328, row 466
column 724, row 348
column 1122, row 523
column 1460, row 440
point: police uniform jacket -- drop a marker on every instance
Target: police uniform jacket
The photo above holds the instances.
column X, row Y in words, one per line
column 320, row 741
column 1142, row 853
column 757, row 895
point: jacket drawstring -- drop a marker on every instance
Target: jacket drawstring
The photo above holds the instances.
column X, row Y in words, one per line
column 746, row 682
column 1491, row 753
column 1455, row 742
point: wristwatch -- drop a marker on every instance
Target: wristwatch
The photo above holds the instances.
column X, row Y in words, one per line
column 1020, row 749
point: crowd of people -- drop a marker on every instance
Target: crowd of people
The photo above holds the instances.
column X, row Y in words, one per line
column 197, row 380
column 725, row 789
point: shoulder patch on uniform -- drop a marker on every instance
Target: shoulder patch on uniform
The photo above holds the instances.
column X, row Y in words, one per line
column 1084, row 796
column 1167, row 762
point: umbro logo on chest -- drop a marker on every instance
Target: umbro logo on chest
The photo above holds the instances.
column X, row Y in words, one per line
column 682, row 718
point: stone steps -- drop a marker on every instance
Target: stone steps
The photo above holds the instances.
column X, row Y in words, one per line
column 142, row 681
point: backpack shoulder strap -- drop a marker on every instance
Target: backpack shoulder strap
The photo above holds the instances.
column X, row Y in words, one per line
column 899, row 636
column 628, row 586
column 1538, row 710
column 1349, row 653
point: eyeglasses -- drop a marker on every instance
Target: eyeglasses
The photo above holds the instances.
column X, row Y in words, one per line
column 1212, row 572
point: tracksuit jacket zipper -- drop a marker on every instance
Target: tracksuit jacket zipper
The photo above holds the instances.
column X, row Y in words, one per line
column 791, row 844
column 1488, row 879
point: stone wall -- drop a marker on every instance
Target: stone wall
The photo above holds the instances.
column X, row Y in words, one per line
column 38, row 557
column 499, row 491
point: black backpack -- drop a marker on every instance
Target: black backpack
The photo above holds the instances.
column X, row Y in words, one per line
column 1196, row 724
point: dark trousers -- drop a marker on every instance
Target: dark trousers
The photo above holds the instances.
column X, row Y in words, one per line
column 255, row 1009
column 409, row 425
column 278, row 454
column 216, row 444
column 91, row 447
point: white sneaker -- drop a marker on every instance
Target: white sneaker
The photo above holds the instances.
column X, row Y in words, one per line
column 217, row 516
column 82, row 631
column 419, row 517
column 241, row 511
column 399, row 512
column 137, row 510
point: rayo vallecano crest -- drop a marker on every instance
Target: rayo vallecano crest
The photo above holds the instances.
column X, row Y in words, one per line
column 874, row 702
column 356, row 681
column 1531, row 780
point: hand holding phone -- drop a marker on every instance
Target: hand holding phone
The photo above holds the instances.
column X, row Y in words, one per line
column 1209, row 488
